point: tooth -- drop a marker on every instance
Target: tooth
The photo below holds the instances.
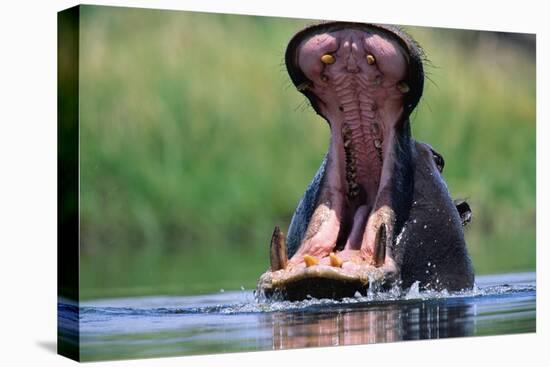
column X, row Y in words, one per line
column 324, row 78
column 327, row 59
column 310, row 260
column 278, row 254
column 378, row 143
column 335, row 260
column 375, row 128
column 303, row 86
column 370, row 59
column 403, row 87
column 379, row 246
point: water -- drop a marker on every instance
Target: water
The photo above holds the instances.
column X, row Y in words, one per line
column 234, row 321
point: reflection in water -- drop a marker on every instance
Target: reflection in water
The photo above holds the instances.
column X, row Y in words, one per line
column 236, row 322
column 383, row 323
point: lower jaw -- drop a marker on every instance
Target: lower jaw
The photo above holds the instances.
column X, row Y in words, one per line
column 324, row 281
column 344, row 270
column 347, row 265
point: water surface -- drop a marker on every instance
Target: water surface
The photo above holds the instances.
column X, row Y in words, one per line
column 235, row 321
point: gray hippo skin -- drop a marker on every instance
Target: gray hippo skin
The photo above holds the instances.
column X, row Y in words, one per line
column 378, row 212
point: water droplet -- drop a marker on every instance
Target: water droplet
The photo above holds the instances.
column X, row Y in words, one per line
column 414, row 291
column 425, row 226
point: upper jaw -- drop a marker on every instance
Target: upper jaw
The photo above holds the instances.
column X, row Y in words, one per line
column 411, row 50
column 357, row 82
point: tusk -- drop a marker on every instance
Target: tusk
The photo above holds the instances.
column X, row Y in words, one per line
column 310, row 260
column 335, row 260
column 327, row 59
column 379, row 247
column 370, row 59
column 279, row 258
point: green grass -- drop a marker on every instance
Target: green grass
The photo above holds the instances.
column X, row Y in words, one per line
column 194, row 145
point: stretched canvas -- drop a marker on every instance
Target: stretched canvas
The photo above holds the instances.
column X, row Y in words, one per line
column 245, row 183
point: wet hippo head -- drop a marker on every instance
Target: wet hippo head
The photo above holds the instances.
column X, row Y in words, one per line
column 365, row 80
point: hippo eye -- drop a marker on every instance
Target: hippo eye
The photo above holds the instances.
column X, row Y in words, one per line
column 370, row 59
column 439, row 161
column 327, row 59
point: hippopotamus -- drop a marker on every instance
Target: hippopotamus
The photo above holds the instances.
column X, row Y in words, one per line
column 377, row 213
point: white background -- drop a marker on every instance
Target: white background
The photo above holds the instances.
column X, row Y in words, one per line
column 28, row 182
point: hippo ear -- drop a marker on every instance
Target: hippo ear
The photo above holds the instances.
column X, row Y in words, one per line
column 464, row 211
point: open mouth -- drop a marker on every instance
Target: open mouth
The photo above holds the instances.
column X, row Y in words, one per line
column 358, row 77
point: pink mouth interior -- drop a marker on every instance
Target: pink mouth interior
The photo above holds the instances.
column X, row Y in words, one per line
column 356, row 77
column 360, row 94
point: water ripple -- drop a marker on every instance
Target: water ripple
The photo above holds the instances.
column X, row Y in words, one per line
column 249, row 302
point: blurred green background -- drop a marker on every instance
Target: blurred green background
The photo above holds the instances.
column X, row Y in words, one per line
column 194, row 145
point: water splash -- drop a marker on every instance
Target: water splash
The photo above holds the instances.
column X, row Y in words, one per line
column 243, row 302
